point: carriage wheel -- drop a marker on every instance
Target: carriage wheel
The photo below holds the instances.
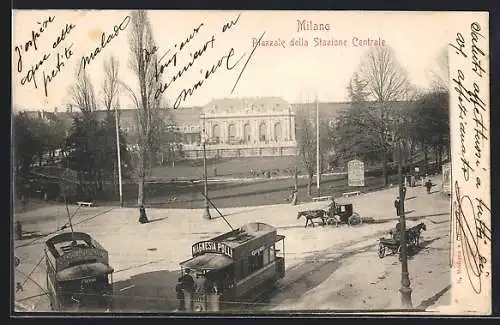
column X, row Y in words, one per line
column 355, row 220
column 381, row 250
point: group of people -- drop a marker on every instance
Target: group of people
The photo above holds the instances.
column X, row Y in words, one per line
column 189, row 285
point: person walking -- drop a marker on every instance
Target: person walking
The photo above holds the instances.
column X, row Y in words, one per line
column 397, row 205
column 142, row 215
column 180, row 294
column 294, row 197
column 187, row 286
column 428, row 185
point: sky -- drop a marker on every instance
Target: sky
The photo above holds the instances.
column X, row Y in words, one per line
column 296, row 73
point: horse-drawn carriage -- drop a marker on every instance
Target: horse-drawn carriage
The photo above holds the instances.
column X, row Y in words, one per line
column 335, row 213
column 393, row 243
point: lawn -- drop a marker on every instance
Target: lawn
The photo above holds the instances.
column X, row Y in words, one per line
column 237, row 167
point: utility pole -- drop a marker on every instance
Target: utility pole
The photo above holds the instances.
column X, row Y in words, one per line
column 405, row 289
column 206, row 210
column 317, row 147
column 119, row 156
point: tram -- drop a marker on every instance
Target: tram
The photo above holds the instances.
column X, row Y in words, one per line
column 79, row 276
column 234, row 266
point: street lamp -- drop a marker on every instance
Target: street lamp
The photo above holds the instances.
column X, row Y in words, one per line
column 405, row 289
column 206, row 210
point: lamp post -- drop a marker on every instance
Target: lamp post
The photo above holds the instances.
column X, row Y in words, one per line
column 405, row 289
column 318, row 172
column 118, row 156
column 206, row 210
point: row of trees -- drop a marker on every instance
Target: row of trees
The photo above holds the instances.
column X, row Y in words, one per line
column 386, row 114
column 89, row 146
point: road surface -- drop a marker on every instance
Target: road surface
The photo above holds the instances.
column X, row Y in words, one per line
column 327, row 267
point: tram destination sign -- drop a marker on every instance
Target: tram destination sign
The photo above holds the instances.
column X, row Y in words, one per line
column 211, row 247
column 82, row 254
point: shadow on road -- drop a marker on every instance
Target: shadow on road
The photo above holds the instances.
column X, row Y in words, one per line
column 157, row 219
column 432, row 300
column 306, row 276
column 31, row 235
column 150, row 291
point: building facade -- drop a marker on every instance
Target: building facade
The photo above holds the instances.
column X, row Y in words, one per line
column 241, row 127
column 245, row 128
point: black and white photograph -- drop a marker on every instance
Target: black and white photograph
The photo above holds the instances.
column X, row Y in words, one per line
column 250, row 162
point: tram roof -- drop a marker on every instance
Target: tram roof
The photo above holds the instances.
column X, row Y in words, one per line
column 83, row 240
column 245, row 233
column 83, row 271
column 207, row 261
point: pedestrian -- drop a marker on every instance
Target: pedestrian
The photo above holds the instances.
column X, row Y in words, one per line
column 142, row 215
column 428, row 185
column 187, row 283
column 19, row 287
column 293, row 197
column 180, row 294
column 200, row 283
column 19, row 230
column 397, row 205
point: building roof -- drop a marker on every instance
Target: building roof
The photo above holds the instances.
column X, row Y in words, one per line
column 252, row 104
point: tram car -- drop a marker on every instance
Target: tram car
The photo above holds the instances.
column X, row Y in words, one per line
column 79, row 276
column 234, row 267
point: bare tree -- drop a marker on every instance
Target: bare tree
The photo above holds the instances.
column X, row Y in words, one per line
column 386, row 79
column 82, row 93
column 439, row 72
column 306, row 141
column 148, row 105
column 387, row 84
column 111, row 84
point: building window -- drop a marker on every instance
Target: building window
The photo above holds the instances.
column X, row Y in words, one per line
column 246, row 132
column 277, row 132
column 262, row 131
column 232, row 132
column 272, row 254
column 216, row 133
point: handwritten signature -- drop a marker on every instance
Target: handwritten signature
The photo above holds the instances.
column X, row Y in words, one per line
column 471, row 229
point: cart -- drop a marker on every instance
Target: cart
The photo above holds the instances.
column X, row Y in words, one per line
column 393, row 244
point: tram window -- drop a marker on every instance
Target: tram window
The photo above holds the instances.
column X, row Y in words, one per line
column 256, row 262
column 266, row 256
column 242, row 269
column 272, row 253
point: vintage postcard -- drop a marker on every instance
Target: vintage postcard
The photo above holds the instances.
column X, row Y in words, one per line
column 186, row 162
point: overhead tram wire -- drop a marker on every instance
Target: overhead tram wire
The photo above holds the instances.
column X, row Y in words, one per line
column 212, row 204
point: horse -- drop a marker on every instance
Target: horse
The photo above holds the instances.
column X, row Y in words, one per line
column 414, row 234
column 312, row 214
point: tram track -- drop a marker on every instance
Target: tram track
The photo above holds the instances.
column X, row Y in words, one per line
column 315, row 262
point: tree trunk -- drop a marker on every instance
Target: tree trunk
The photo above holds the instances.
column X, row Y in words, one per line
column 424, row 149
column 385, row 173
column 436, row 153
column 142, row 179
column 309, row 182
column 296, row 178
